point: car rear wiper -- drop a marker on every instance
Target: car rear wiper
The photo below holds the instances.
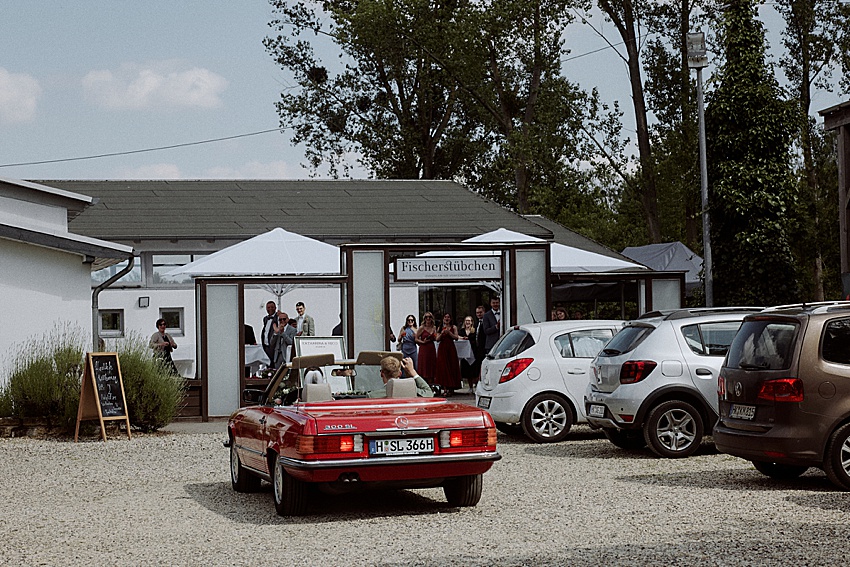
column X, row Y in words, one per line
column 611, row 351
column 746, row 366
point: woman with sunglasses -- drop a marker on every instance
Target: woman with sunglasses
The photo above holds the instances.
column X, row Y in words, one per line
column 425, row 336
column 407, row 340
column 162, row 345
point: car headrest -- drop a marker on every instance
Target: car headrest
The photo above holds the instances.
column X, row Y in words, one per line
column 317, row 393
column 309, row 360
column 401, row 388
column 374, row 357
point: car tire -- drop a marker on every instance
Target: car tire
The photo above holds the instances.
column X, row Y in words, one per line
column 464, row 490
column 513, row 429
column 673, row 429
column 547, row 418
column 240, row 479
column 631, row 440
column 836, row 462
column 290, row 494
column 779, row 471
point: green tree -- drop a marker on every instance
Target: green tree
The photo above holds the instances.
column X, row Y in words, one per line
column 749, row 133
column 815, row 38
column 465, row 90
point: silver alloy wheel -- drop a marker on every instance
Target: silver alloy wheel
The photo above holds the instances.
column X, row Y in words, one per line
column 277, row 483
column 548, row 419
column 676, row 429
column 234, row 463
column 844, row 456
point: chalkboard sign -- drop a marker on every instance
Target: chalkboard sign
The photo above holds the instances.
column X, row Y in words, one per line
column 110, row 391
column 102, row 392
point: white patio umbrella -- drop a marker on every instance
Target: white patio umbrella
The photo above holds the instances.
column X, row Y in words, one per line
column 274, row 253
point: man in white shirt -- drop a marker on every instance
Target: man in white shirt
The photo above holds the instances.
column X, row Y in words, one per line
column 306, row 326
column 492, row 324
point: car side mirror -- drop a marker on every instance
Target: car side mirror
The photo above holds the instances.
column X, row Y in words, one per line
column 252, row 396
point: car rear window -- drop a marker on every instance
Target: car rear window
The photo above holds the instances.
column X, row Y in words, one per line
column 836, row 341
column 711, row 339
column 583, row 344
column 513, row 343
column 627, row 339
column 763, row 345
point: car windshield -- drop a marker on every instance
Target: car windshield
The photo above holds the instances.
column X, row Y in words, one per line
column 513, row 343
column 762, row 345
column 627, row 339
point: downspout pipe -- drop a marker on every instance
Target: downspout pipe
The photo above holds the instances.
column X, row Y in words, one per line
column 94, row 304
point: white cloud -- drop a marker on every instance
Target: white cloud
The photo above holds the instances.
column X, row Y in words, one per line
column 136, row 87
column 151, row 171
column 19, row 94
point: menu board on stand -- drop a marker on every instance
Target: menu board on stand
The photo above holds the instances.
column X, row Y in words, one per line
column 102, row 392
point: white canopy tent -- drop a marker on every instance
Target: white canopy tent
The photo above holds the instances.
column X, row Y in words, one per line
column 277, row 252
column 565, row 259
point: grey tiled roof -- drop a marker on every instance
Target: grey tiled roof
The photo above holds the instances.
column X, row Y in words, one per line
column 336, row 211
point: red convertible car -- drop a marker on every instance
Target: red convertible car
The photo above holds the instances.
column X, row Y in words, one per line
column 350, row 442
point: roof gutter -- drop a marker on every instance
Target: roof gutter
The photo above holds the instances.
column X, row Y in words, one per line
column 94, row 300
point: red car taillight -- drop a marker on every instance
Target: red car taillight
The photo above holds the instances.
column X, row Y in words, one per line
column 721, row 386
column 636, row 370
column 468, row 438
column 782, row 390
column 311, row 444
column 514, row 368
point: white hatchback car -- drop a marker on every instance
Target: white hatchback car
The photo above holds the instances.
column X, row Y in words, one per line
column 533, row 380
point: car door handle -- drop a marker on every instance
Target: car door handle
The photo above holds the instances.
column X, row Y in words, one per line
column 576, row 371
column 703, row 372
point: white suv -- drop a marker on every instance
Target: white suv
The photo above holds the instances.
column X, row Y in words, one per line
column 534, row 378
column 655, row 383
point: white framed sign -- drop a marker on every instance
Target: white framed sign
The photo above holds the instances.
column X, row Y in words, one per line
column 305, row 346
column 449, row 268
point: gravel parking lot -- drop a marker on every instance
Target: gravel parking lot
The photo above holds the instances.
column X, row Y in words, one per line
column 165, row 499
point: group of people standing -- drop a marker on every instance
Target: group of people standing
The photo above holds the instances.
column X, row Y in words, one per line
column 441, row 365
column 279, row 332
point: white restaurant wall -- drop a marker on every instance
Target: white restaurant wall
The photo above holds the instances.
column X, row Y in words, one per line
column 40, row 290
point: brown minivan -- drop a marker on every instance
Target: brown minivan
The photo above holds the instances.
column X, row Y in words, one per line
column 784, row 392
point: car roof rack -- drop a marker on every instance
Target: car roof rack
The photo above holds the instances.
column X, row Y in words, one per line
column 813, row 307
column 673, row 314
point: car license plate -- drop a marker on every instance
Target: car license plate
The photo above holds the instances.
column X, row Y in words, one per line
column 403, row 446
column 597, row 411
column 742, row 412
column 484, row 402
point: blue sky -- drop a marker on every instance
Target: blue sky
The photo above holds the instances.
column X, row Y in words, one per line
column 90, row 77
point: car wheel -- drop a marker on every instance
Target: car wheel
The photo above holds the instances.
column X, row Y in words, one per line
column 464, row 490
column 673, row 429
column 240, row 479
column 629, row 440
column 836, row 462
column 779, row 471
column 514, row 429
column 547, row 418
column 290, row 494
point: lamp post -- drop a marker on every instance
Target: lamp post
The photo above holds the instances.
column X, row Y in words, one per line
column 698, row 60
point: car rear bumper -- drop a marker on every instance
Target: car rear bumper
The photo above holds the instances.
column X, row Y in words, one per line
column 391, row 468
column 617, row 410
column 505, row 407
column 779, row 445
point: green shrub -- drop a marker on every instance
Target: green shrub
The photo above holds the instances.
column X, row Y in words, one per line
column 153, row 393
column 45, row 378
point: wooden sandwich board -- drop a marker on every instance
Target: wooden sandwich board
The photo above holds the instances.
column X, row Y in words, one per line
column 102, row 392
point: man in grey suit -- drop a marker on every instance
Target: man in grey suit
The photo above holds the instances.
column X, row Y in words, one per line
column 492, row 324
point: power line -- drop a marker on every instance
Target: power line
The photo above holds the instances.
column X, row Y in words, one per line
column 126, row 153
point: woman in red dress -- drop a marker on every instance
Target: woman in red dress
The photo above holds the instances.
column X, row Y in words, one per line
column 425, row 336
column 448, row 365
